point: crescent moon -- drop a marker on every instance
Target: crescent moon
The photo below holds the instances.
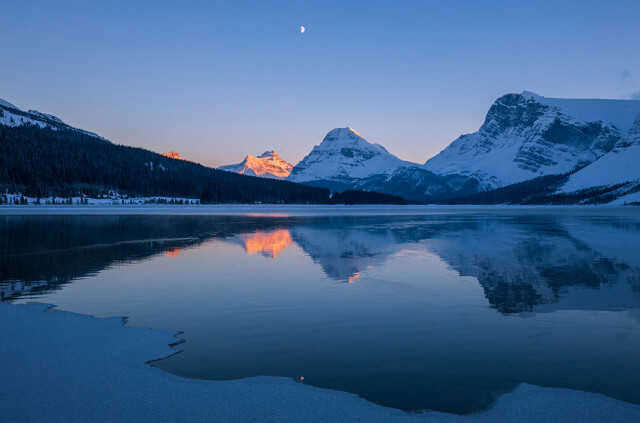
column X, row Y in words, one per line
column 301, row 29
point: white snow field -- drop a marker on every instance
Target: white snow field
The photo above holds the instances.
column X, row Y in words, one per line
column 58, row 366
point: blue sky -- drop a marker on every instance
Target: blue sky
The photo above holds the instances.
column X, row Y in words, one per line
column 216, row 81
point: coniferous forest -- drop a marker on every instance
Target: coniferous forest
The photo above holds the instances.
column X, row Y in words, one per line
column 43, row 162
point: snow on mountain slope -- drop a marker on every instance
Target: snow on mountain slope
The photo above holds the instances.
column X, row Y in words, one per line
column 621, row 113
column 267, row 165
column 620, row 166
column 6, row 104
column 10, row 115
column 525, row 136
column 344, row 157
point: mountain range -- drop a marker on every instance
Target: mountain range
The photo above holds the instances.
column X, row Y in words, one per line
column 548, row 150
column 529, row 150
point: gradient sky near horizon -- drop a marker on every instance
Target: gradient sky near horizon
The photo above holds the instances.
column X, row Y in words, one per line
column 216, row 81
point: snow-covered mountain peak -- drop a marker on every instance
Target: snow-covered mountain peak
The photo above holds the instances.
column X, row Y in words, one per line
column 527, row 135
column 344, row 135
column 268, row 165
column 530, row 94
column 10, row 115
column 344, row 156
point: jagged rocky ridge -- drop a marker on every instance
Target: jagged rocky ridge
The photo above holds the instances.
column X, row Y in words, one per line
column 267, row 165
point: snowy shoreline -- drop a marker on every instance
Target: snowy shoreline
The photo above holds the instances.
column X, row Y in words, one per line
column 284, row 210
column 61, row 366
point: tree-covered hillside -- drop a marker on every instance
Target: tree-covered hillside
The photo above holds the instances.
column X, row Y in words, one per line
column 42, row 162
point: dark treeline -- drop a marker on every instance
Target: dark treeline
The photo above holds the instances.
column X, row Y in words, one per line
column 533, row 191
column 542, row 190
column 365, row 197
column 43, row 162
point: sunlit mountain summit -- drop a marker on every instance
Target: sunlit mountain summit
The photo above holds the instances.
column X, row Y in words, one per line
column 267, row 165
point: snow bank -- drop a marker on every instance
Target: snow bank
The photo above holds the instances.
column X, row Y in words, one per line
column 113, row 199
column 59, row 366
column 312, row 210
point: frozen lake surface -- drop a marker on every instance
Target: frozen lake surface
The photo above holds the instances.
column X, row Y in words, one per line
column 413, row 308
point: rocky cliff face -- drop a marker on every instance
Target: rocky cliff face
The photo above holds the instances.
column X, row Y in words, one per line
column 525, row 136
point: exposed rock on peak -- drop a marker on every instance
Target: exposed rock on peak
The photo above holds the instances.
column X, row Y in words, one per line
column 268, row 165
column 173, row 155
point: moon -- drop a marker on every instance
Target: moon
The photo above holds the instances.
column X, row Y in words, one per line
column 301, row 29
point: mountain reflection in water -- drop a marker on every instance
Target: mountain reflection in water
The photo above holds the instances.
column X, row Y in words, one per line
column 268, row 243
column 445, row 311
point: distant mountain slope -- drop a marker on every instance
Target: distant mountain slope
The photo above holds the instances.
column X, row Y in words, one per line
column 343, row 158
column 268, row 165
column 10, row 115
column 525, row 136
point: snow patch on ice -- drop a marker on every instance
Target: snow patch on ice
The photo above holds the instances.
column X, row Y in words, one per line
column 85, row 369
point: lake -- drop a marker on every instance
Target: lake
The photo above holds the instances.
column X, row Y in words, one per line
column 416, row 309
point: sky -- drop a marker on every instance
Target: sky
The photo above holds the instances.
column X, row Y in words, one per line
column 216, row 81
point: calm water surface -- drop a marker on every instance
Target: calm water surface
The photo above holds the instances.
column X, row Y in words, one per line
column 441, row 311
